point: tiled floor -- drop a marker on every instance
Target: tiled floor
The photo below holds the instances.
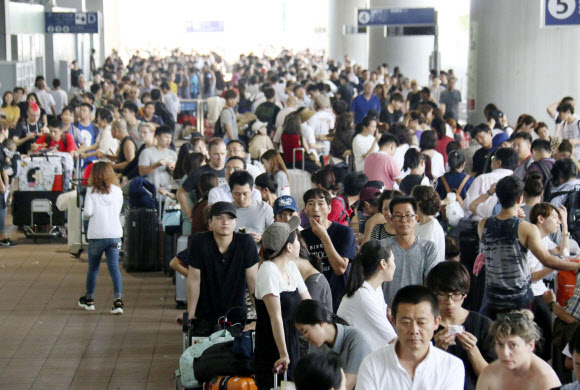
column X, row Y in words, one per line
column 47, row 342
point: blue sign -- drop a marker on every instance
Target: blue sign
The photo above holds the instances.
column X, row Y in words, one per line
column 207, row 26
column 562, row 13
column 71, row 22
column 396, row 16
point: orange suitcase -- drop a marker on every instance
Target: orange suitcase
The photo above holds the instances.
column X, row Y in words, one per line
column 231, row 383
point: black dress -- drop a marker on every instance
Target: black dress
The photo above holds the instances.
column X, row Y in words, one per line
column 478, row 325
column 266, row 352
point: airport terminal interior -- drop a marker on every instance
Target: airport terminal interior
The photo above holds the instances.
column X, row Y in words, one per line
column 289, row 194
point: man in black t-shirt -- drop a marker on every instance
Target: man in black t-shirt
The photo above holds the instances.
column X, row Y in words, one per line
column 216, row 165
column 392, row 113
column 28, row 130
column 221, row 265
column 482, row 157
column 331, row 242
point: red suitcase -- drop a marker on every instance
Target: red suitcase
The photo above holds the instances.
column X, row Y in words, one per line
column 230, row 383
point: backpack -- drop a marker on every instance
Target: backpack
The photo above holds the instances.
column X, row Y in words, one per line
column 572, row 204
column 456, row 191
column 344, row 217
column 142, row 194
column 218, row 131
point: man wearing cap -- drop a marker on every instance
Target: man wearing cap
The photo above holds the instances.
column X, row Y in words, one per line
column 221, row 265
column 254, row 216
column 260, row 142
column 223, row 193
column 331, row 242
column 285, row 208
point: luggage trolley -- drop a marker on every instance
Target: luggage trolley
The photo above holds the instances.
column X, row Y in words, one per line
column 36, row 231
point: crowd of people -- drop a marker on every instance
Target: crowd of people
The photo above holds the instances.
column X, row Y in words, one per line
column 425, row 253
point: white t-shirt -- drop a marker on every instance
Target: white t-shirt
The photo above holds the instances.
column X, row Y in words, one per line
column 223, row 193
column 538, row 287
column 433, row 232
column 366, row 310
column 361, row 144
column 437, row 165
column 438, row 371
column 566, row 130
column 321, row 122
column 270, row 280
column 60, row 100
column 283, row 184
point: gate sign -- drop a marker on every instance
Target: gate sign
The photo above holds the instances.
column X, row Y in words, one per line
column 71, row 22
column 396, row 16
column 562, row 13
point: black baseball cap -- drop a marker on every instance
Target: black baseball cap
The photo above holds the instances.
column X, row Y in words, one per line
column 219, row 208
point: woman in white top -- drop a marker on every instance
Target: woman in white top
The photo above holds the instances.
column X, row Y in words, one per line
column 363, row 302
column 103, row 206
column 429, row 228
column 548, row 219
column 428, row 144
column 279, row 290
column 366, row 142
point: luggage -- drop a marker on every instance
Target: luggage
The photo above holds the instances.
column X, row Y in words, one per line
column 46, row 172
column 22, row 211
column 299, row 183
column 76, row 236
column 284, row 384
column 230, row 383
column 180, row 280
column 141, row 238
column 220, row 360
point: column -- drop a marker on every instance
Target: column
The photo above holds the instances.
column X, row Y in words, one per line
column 5, row 40
column 343, row 13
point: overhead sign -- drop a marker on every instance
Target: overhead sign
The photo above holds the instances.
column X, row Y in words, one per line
column 396, row 16
column 561, row 13
column 71, row 22
column 205, row 26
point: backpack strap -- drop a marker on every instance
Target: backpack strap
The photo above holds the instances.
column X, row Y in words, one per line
column 463, row 183
column 344, row 207
column 560, row 193
column 445, row 184
column 545, row 171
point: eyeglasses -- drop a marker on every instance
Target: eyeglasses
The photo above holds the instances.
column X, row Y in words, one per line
column 454, row 297
column 399, row 218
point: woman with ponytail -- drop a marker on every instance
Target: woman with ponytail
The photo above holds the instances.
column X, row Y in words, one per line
column 363, row 301
column 326, row 332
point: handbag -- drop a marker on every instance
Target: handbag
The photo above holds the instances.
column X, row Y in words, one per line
column 171, row 221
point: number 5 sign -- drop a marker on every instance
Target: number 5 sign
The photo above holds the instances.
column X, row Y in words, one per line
column 561, row 13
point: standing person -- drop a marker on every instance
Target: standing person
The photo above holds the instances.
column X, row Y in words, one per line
column 456, row 180
column 220, row 257
column 382, row 165
column 414, row 256
column 274, row 164
column 279, row 290
column 514, row 336
column 66, row 124
column 569, row 127
column 380, row 231
column 365, row 102
column 450, row 99
column 267, row 184
column 341, row 145
column 127, row 145
column 331, row 242
column 366, row 142
column 103, row 206
column 28, row 130
column 449, row 281
column 505, row 240
column 543, row 163
column 412, row 362
column 158, row 162
column 11, row 109
column 59, row 96
column 147, row 134
column 415, row 162
column 429, row 228
column 328, row 333
column 223, row 193
column 392, row 113
column 482, row 156
column 522, row 143
column 228, row 117
column 363, row 302
column 439, row 126
column 428, row 144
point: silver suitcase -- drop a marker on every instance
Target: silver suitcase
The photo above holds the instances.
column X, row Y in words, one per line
column 180, row 280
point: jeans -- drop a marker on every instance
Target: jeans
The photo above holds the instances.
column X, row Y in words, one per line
column 2, row 218
column 111, row 247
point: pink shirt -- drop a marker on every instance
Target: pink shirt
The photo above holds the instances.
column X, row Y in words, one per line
column 382, row 166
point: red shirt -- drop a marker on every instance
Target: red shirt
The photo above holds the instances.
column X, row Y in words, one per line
column 442, row 146
column 289, row 143
column 70, row 143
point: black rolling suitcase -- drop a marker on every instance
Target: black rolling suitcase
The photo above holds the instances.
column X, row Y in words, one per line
column 141, row 234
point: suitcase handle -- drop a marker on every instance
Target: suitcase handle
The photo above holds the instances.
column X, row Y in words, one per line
column 294, row 157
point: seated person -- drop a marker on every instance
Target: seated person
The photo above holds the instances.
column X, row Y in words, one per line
column 328, row 333
column 363, row 303
column 56, row 140
column 412, row 362
column 235, row 270
column 514, row 335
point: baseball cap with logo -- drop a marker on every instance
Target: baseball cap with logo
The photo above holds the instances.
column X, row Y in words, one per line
column 285, row 202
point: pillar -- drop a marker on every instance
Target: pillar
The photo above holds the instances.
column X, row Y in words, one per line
column 344, row 13
column 517, row 64
column 5, row 39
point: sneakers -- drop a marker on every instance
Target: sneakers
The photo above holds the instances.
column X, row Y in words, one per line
column 8, row 243
column 117, row 306
column 85, row 303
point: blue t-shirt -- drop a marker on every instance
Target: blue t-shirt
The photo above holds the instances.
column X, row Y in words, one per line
column 89, row 134
column 342, row 238
column 361, row 106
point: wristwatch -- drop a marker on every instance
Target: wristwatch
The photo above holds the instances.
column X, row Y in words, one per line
column 489, row 193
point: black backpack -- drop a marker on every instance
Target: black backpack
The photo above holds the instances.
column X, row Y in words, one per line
column 218, row 131
column 572, row 204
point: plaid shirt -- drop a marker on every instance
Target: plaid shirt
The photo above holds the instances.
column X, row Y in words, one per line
column 573, row 305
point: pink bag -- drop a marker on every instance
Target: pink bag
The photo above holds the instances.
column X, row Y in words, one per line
column 478, row 264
